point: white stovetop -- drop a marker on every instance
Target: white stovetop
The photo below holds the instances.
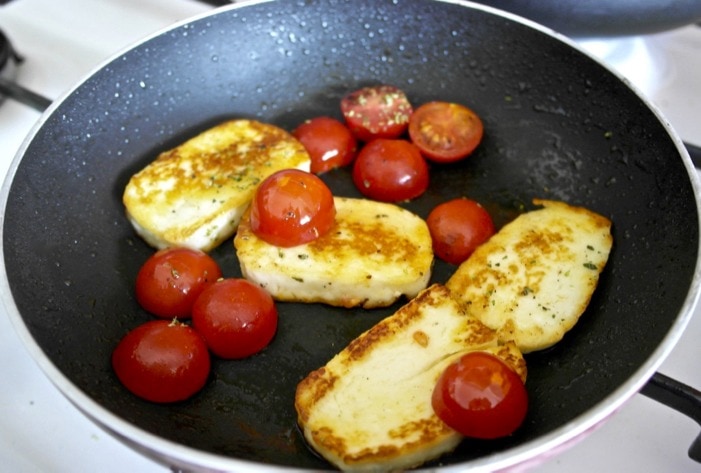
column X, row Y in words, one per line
column 40, row 431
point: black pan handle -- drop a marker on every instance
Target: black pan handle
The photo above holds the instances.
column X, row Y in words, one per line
column 679, row 397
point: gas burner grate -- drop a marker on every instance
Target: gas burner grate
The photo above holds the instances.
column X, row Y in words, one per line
column 9, row 60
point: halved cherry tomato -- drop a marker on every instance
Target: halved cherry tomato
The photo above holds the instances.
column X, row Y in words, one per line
column 481, row 397
column 162, row 361
column 381, row 111
column 292, row 207
column 170, row 280
column 329, row 142
column 236, row 317
column 457, row 228
column 390, row 171
column 444, row 131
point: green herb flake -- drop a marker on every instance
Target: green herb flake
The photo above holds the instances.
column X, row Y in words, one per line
column 591, row 266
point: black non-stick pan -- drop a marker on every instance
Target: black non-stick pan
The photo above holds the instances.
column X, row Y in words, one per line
column 597, row 18
column 559, row 125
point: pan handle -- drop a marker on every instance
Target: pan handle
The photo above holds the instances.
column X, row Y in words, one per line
column 680, row 397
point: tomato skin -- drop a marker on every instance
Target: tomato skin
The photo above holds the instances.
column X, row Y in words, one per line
column 390, row 171
column 481, row 397
column 162, row 361
column 236, row 318
column 381, row 111
column 292, row 207
column 445, row 132
column 170, row 280
column 329, row 142
column 457, row 228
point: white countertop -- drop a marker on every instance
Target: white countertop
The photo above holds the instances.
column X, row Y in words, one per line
column 40, row 431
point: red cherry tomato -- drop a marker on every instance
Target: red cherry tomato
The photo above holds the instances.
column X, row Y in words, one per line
column 170, row 280
column 329, row 142
column 390, row 171
column 381, row 111
column 236, row 318
column 481, row 397
column 457, row 228
column 162, row 361
column 292, row 207
column 445, row 132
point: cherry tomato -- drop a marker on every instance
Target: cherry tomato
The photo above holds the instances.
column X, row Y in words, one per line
column 457, row 228
column 445, row 132
column 170, row 280
column 329, row 142
column 162, row 361
column 292, row 207
column 480, row 396
column 381, row 111
column 390, row 171
column 236, row 317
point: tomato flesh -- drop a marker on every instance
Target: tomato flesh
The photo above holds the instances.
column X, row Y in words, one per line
column 162, row 361
column 457, row 228
column 481, row 397
column 381, row 111
column 390, row 171
column 170, row 280
column 292, row 207
column 329, row 142
column 444, row 131
column 236, row 318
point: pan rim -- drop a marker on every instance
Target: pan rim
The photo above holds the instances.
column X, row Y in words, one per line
column 162, row 450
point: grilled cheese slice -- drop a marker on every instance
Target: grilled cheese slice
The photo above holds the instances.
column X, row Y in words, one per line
column 534, row 278
column 369, row 408
column 375, row 253
column 194, row 194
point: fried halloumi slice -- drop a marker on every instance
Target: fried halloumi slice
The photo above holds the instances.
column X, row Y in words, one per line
column 534, row 278
column 194, row 194
column 375, row 253
column 369, row 408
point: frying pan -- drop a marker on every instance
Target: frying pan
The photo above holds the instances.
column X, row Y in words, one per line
column 596, row 18
column 559, row 125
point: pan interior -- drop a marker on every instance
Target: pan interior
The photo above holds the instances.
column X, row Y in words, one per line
column 558, row 126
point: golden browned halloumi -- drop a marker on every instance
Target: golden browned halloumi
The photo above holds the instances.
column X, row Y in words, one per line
column 375, row 253
column 369, row 408
column 194, row 195
column 534, row 278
